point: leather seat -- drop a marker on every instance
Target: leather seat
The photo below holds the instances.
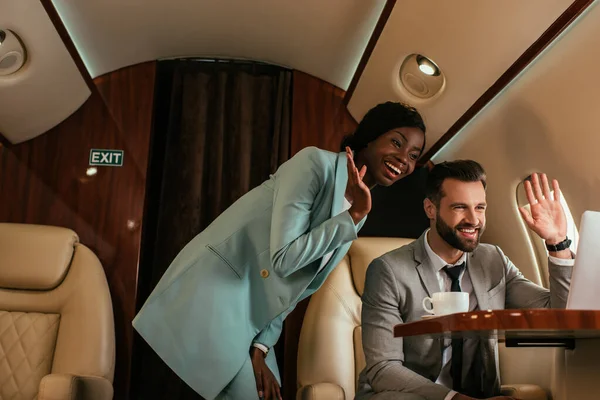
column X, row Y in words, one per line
column 330, row 355
column 57, row 338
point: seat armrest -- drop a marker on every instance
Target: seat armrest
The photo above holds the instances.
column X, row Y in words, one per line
column 321, row 391
column 75, row 387
column 524, row 392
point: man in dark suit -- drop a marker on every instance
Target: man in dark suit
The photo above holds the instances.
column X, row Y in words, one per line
column 448, row 257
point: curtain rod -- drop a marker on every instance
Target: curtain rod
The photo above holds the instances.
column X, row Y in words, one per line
column 223, row 61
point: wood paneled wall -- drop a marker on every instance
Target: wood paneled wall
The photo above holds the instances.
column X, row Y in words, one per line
column 319, row 118
column 44, row 181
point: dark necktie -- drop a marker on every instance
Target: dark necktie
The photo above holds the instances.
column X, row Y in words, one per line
column 457, row 344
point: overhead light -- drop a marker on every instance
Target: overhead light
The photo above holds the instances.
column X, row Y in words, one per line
column 427, row 69
column 12, row 53
column 421, row 77
column 427, row 66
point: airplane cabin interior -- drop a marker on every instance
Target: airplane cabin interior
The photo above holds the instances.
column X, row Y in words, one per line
column 128, row 128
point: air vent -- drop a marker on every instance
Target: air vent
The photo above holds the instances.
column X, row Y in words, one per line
column 12, row 53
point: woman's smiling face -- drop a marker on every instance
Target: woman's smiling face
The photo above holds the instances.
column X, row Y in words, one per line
column 391, row 156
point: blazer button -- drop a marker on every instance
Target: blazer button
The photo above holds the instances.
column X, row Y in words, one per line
column 264, row 273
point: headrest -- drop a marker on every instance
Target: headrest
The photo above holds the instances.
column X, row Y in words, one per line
column 34, row 256
column 364, row 250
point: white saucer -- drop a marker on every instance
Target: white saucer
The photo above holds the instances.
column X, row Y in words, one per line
column 429, row 316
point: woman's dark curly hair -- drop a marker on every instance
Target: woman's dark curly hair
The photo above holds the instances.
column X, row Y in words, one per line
column 381, row 119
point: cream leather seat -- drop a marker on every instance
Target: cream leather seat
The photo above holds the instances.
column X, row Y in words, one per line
column 330, row 355
column 56, row 320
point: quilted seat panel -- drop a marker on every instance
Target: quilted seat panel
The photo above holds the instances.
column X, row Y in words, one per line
column 27, row 341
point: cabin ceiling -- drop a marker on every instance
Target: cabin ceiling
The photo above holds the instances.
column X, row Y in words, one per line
column 322, row 38
column 473, row 42
column 49, row 87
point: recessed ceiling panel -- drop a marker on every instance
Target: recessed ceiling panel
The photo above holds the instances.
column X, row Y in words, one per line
column 322, row 38
column 472, row 41
column 49, row 87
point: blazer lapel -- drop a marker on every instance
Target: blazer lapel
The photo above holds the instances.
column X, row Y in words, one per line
column 424, row 267
column 339, row 187
column 339, row 191
column 478, row 280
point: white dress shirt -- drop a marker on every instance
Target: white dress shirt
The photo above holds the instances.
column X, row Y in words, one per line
column 466, row 285
column 438, row 263
column 324, row 262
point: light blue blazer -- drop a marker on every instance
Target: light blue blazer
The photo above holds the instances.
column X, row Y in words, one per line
column 236, row 281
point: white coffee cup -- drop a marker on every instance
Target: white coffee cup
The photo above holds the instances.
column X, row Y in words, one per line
column 443, row 303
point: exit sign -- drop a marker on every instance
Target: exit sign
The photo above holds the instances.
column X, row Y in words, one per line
column 111, row 158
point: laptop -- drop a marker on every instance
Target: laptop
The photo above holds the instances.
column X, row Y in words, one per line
column 585, row 282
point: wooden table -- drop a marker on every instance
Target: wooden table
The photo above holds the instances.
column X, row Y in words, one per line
column 535, row 327
column 578, row 331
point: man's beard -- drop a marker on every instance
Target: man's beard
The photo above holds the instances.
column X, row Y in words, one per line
column 451, row 236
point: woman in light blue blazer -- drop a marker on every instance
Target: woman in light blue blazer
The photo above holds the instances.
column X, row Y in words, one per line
column 220, row 305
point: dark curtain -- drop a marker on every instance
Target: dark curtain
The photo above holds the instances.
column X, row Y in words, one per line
column 220, row 129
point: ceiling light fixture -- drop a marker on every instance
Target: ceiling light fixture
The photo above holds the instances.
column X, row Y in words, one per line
column 427, row 66
column 421, row 77
column 426, row 69
column 12, row 53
